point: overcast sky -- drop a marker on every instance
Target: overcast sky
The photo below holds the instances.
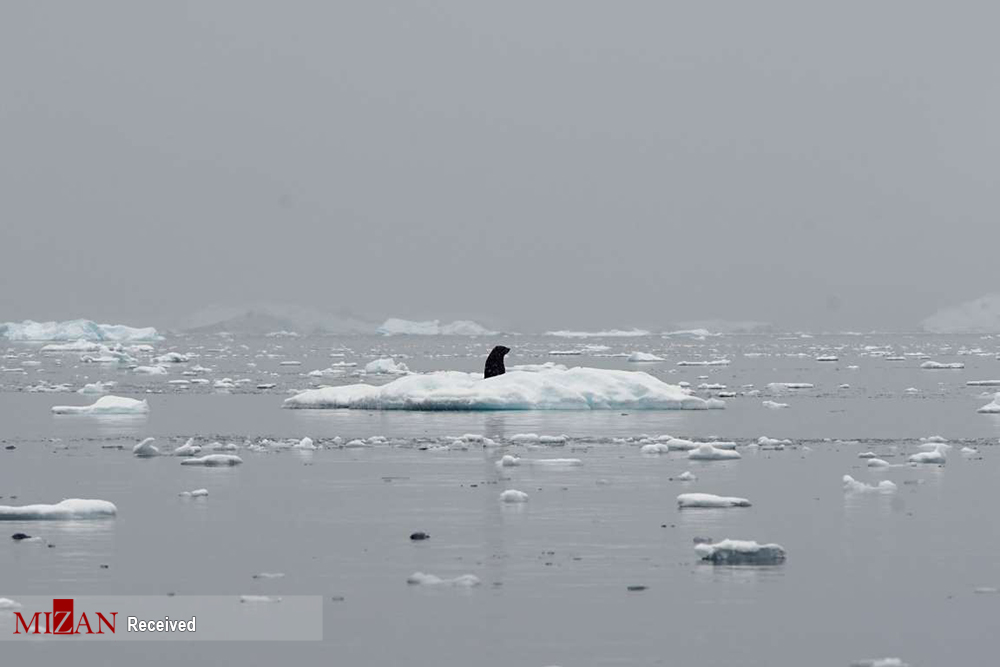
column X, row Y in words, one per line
column 529, row 164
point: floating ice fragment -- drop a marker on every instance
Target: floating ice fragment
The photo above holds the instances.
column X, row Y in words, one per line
column 878, row 463
column 637, row 357
column 573, row 389
column 687, row 476
column 259, row 598
column 463, row 581
column 936, row 365
column 513, row 496
column 741, row 552
column 146, row 449
column 187, row 449
column 773, row 405
column 106, row 405
column 706, row 452
column 306, row 443
column 685, row 500
column 386, row 366
column 67, row 510
column 197, row 493
column 852, row 485
column 213, row 460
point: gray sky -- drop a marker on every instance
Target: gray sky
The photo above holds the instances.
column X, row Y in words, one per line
column 530, row 164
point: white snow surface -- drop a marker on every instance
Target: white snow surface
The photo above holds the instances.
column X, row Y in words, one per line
column 395, row 326
column 74, row 330
column 549, row 389
column 105, row 405
column 709, row 500
column 67, row 510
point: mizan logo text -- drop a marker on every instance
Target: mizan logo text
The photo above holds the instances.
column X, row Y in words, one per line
column 60, row 621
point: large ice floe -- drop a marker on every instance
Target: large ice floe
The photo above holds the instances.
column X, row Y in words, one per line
column 106, row 405
column 685, row 500
column 545, row 389
column 394, row 326
column 67, row 510
column 213, row 460
column 74, row 330
column 741, row 552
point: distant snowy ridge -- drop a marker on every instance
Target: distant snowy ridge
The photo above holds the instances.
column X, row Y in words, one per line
column 395, row 326
column 74, row 330
column 980, row 315
column 549, row 389
column 611, row 333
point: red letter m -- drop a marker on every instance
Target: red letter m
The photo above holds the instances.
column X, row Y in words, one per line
column 34, row 619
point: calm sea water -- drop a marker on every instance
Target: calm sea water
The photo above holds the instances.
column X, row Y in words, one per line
column 867, row 575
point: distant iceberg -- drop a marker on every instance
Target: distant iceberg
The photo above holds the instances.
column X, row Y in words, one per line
column 69, row 509
column 549, row 389
column 612, row 333
column 394, row 326
column 74, row 330
column 980, row 315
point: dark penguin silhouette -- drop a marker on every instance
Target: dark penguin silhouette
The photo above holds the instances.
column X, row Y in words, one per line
column 494, row 362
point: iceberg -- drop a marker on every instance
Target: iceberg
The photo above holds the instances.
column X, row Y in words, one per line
column 741, row 552
column 938, row 366
column 106, row 405
column 394, row 326
column 77, row 346
column 513, row 496
column 636, row 357
column 213, row 460
column 706, row 452
column 709, row 500
column 67, row 510
column 74, row 330
column 937, row 456
column 549, row 389
column 612, row 333
column 852, row 485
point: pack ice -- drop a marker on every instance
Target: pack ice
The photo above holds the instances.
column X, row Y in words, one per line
column 69, row 509
column 106, row 405
column 547, row 389
column 74, row 330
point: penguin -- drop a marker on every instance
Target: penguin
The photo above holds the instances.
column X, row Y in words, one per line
column 494, row 363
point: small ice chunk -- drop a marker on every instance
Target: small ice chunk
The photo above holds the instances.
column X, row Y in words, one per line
column 936, row 365
column 151, row 370
column 513, row 496
column 774, row 405
column 213, row 460
column 187, row 449
column 937, row 456
column 570, row 463
column 306, row 443
column 867, row 455
column 146, row 449
column 852, row 485
column 269, row 575
column 709, row 500
column 741, row 552
column 69, row 509
column 706, row 452
column 172, row 358
column 105, row 405
column 638, row 357
column 95, row 388
column 878, row 463
column 509, row 461
column 687, row 476
column 992, row 407
column 654, row 448
column 969, row 450
column 197, row 493
column 463, row 581
column 259, row 598
column 386, row 366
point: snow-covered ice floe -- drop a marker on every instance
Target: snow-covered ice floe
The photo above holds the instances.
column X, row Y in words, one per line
column 685, row 500
column 708, row 452
column 386, row 366
column 68, row 510
column 938, row 366
column 74, row 330
column 95, row 388
column 421, row 579
column 213, row 460
column 773, row 405
column 106, row 405
column 146, row 449
column 782, row 386
column 549, row 389
column 741, row 552
column 713, row 362
column 513, row 496
column 936, row 456
column 852, row 485
column 637, row 357
column 197, row 493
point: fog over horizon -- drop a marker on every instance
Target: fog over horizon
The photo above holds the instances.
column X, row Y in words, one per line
column 527, row 165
